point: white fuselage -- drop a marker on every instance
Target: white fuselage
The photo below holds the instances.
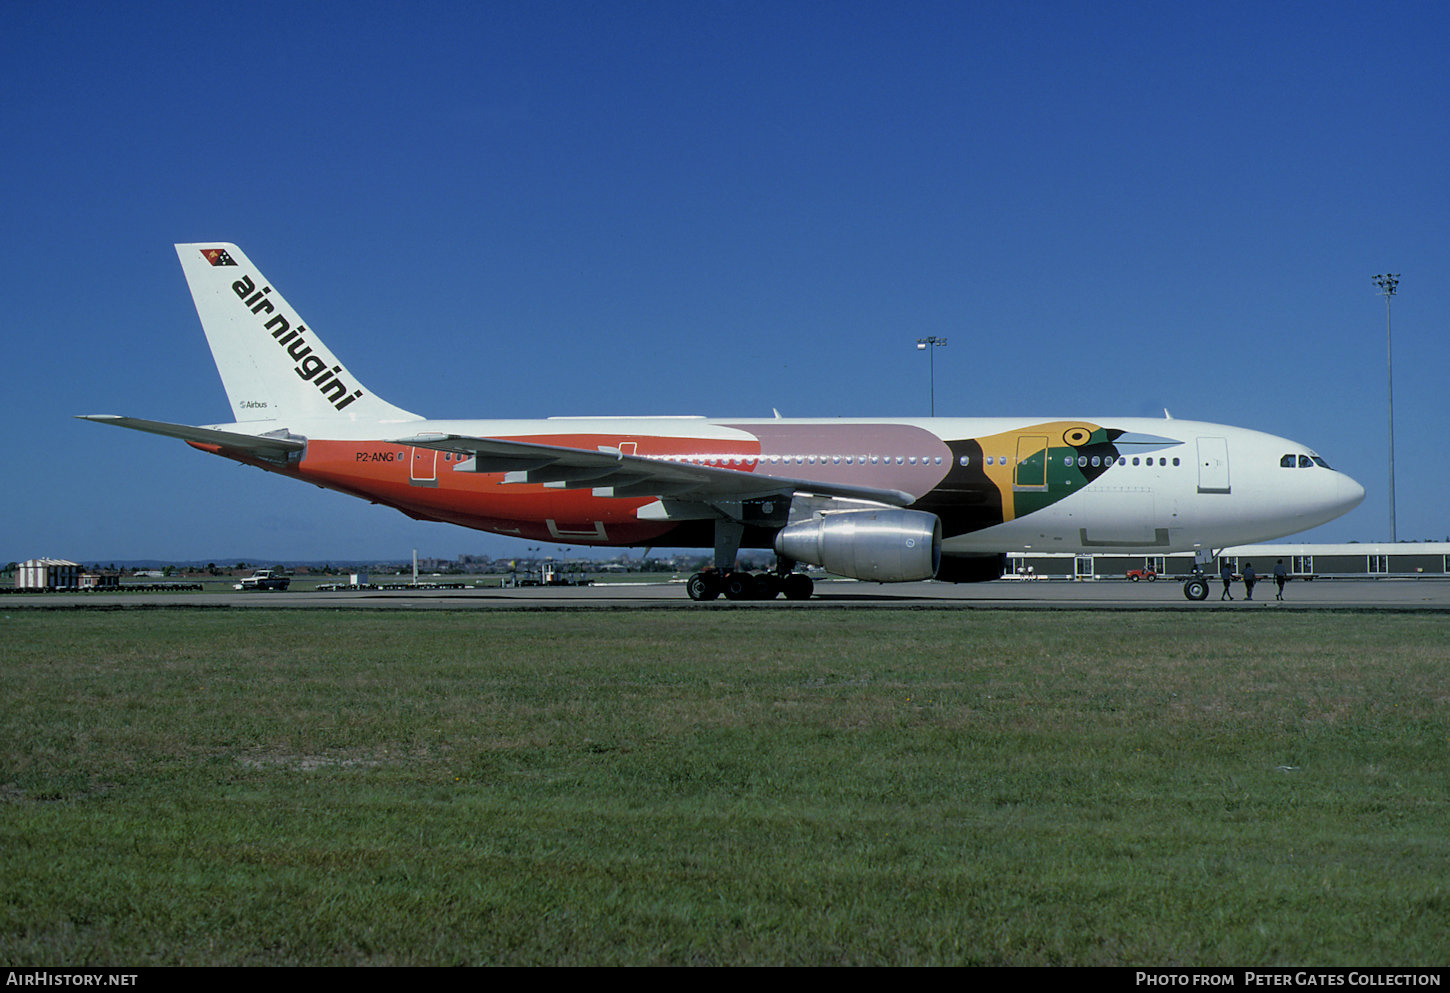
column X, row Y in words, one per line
column 1162, row 485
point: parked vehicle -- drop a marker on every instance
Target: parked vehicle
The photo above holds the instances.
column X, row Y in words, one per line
column 264, row 579
column 1136, row 574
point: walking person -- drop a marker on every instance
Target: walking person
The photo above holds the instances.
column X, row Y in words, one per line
column 1279, row 577
column 1226, row 573
column 1250, row 578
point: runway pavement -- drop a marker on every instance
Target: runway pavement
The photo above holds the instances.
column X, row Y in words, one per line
column 1392, row 595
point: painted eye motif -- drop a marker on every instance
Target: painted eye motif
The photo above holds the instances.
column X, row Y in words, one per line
column 1077, row 436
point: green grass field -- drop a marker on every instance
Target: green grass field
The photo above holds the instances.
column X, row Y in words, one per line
column 724, row 787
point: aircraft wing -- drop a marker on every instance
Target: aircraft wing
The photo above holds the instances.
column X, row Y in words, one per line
column 624, row 475
column 272, row 447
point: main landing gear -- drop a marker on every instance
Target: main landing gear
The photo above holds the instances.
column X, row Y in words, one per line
column 723, row 577
column 710, row 583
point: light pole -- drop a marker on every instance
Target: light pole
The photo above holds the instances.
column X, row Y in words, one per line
column 927, row 344
column 1388, row 282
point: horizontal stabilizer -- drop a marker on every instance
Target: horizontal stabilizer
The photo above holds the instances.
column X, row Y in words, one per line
column 632, row 475
column 273, row 448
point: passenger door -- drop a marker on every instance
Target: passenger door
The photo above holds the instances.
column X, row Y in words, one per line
column 423, row 467
column 1213, row 465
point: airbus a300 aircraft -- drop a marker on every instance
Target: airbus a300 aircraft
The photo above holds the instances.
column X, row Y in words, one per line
column 889, row 500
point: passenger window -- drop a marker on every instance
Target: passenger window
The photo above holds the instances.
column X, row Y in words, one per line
column 1135, row 460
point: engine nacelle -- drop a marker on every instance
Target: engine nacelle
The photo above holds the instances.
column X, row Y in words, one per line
column 884, row 546
column 971, row 568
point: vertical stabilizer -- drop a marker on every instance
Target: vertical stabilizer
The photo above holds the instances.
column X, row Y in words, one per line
column 272, row 365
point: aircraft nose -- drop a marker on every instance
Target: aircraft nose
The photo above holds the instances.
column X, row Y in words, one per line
column 1351, row 494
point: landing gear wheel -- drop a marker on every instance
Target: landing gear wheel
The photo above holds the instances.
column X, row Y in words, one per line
column 739, row 586
column 702, row 587
column 1196, row 589
column 798, row 586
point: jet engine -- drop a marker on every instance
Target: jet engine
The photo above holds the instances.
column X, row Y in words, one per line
column 884, row 546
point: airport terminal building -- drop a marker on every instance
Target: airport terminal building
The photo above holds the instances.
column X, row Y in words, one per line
column 1428, row 559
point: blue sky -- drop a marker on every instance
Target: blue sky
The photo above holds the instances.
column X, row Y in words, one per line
column 718, row 208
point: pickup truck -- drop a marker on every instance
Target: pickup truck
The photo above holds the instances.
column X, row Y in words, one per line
column 264, row 579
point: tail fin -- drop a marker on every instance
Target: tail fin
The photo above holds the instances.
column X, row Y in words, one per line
column 273, row 366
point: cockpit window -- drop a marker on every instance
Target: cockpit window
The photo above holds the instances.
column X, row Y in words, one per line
column 1291, row 460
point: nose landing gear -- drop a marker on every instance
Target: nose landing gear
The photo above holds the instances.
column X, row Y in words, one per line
column 1196, row 588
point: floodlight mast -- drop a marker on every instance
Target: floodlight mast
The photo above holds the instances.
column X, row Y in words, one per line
column 927, row 344
column 1388, row 282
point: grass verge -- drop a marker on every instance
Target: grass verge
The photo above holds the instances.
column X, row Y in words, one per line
column 794, row 787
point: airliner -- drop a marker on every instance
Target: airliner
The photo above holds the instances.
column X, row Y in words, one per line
column 882, row 500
